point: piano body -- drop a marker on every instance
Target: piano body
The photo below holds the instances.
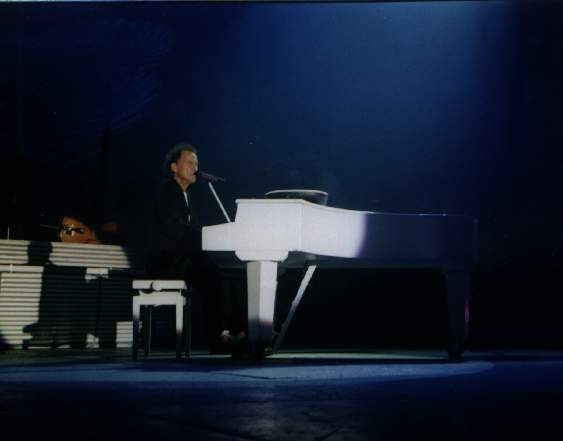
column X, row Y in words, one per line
column 266, row 232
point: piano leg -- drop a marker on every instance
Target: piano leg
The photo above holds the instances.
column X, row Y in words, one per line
column 457, row 285
column 262, row 284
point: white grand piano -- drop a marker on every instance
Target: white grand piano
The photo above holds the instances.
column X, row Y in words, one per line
column 266, row 232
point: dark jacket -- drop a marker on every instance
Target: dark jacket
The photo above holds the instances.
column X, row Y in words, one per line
column 175, row 233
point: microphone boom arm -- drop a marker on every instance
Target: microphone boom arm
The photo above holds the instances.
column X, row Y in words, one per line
column 218, row 200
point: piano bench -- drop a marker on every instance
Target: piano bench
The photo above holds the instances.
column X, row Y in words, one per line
column 156, row 293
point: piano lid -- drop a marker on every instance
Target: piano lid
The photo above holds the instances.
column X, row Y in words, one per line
column 314, row 196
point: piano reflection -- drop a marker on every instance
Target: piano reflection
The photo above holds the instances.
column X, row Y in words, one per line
column 267, row 232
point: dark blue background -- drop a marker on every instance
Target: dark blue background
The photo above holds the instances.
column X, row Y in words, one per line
column 438, row 107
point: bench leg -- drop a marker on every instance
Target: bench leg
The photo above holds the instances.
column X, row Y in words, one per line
column 148, row 329
column 188, row 326
column 179, row 327
column 136, row 314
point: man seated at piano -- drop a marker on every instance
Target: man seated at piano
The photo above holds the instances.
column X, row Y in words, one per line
column 175, row 248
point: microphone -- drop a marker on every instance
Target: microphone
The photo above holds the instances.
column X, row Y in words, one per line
column 207, row 177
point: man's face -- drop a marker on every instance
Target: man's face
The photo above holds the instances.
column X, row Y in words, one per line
column 184, row 168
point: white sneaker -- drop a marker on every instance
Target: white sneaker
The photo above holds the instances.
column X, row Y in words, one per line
column 226, row 337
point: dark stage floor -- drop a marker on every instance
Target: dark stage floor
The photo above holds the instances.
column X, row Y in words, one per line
column 387, row 395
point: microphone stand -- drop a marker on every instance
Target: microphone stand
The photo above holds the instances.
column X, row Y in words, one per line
column 218, row 201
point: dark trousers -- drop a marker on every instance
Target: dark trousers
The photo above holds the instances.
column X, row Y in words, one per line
column 222, row 300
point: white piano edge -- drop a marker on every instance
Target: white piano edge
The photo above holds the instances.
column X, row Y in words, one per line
column 298, row 259
column 300, row 201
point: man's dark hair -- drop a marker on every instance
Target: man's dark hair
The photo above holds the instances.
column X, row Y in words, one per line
column 174, row 154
